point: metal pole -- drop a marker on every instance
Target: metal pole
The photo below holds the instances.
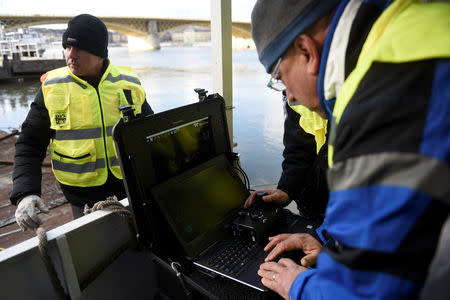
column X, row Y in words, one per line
column 222, row 56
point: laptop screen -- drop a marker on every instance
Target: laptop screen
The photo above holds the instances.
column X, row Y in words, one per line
column 179, row 148
column 201, row 200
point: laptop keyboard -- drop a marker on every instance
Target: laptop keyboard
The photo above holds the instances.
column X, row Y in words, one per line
column 233, row 257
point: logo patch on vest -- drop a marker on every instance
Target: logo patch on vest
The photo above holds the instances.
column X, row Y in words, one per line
column 60, row 118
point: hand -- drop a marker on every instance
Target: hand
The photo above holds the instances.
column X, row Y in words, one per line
column 280, row 276
column 26, row 216
column 297, row 241
column 276, row 196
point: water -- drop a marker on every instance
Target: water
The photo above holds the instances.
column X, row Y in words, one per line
column 169, row 77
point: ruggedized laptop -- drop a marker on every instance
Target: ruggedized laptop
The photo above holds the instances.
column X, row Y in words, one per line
column 187, row 196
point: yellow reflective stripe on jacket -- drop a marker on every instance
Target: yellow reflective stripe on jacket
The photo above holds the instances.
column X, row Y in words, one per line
column 312, row 123
column 83, row 149
column 394, row 39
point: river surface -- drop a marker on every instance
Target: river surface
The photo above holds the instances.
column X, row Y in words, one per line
column 169, row 77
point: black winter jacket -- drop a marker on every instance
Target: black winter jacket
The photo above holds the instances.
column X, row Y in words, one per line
column 303, row 175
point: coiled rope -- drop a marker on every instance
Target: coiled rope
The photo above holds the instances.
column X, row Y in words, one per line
column 111, row 204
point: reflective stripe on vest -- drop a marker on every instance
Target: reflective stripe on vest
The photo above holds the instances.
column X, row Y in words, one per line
column 78, row 168
column 114, row 161
column 78, row 134
column 111, row 78
column 65, row 79
column 109, row 130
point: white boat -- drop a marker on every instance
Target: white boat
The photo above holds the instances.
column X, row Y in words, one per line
column 21, row 43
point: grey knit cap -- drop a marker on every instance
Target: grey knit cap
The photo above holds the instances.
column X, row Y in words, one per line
column 277, row 23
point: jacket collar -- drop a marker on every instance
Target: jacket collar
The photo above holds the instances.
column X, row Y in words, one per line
column 337, row 61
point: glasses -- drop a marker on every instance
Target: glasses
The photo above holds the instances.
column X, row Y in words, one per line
column 275, row 83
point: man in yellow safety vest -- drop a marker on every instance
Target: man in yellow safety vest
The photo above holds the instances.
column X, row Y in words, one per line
column 75, row 110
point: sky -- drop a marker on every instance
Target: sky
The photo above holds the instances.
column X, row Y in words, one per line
column 189, row 9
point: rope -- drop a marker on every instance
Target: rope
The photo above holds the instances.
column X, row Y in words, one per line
column 112, row 204
column 43, row 249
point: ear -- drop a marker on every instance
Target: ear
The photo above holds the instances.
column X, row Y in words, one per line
column 306, row 46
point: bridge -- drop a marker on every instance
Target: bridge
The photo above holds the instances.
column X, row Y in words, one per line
column 147, row 29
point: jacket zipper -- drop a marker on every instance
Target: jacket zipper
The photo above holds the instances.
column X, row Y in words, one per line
column 103, row 127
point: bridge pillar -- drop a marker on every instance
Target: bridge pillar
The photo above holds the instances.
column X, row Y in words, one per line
column 148, row 43
column 153, row 36
column 153, row 41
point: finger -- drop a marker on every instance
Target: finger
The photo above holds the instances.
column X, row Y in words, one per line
column 42, row 207
column 270, row 245
column 29, row 223
column 273, row 243
column 282, row 246
column 266, row 273
column 21, row 224
column 277, row 196
column 250, row 199
column 272, row 267
column 269, row 283
column 275, row 247
column 273, row 240
column 309, row 260
column 270, row 198
column 287, row 262
column 33, row 217
column 275, row 252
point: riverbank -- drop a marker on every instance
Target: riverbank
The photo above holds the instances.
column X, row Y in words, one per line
column 60, row 212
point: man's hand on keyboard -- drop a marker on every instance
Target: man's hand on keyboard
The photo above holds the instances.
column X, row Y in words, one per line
column 297, row 241
column 279, row 276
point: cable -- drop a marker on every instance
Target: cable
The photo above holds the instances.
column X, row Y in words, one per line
column 244, row 175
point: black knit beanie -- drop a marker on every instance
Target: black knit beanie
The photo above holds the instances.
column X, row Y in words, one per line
column 88, row 33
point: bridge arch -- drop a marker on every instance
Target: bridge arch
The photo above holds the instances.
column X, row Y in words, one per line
column 147, row 29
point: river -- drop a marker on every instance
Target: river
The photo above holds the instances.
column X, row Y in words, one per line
column 169, row 77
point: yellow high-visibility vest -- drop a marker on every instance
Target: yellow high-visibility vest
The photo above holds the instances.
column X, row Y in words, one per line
column 311, row 123
column 82, row 149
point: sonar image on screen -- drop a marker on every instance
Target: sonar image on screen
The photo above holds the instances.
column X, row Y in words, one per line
column 177, row 149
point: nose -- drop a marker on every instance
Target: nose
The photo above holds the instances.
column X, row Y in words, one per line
column 71, row 52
